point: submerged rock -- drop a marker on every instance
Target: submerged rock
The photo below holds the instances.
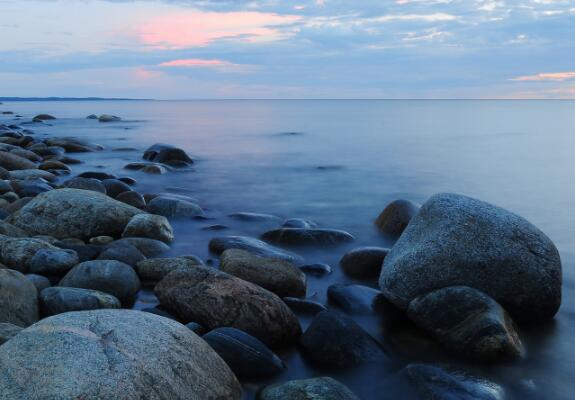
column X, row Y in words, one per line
column 43, row 117
column 57, row 300
column 18, row 299
column 303, row 306
column 303, row 236
column 220, row 244
column 252, row 217
column 299, row 223
column 104, row 354
column 324, row 388
column 457, row 240
column 317, row 269
column 167, row 154
column 396, row 216
column 364, row 262
column 109, row 118
column 149, row 226
column 354, row 299
column 171, row 207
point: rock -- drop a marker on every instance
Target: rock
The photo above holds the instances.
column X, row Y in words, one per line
column 109, row 276
column 334, row 340
column 43, row 117
column 17, row 205
column 457, row 240
column 156, row 269
column 53, row 165
column 216, row 299
column 85, row 252
column 323, row 388
column 252, row 217
column 174, row 208
column 39, row 281
column 307, row 237
column 364, row 262
column 18, row 299
column 85, row 184
column 108, row 118
column 53, row 261
column 31, row 187
column 101, row 240
column 317, row 269
column 148, row 247
column 112, row 354
column 123, row 252
column 127, row 180
column 196, row 328
column 303, row 306
column 99, row 175
column 167, row 154
column 58, row 300
column 434, row 382
column 396, row 216
column 8, row 331
column 11, row 230
column 220, row 244
column 246, row 356
column 159, row 311
column 27, row 154
column 467, row 322
column 132, row 198
column 154, row 169
column 92, row 116
column 115, row 187
column 12, row 162
column 17, row 253
column 74, row 213
column 354, row 299
column 215, row 227
column 73, row 145
column 299, row 223
column 278, row 276
column 46, row 151
column 149, row 226
column 10, row 197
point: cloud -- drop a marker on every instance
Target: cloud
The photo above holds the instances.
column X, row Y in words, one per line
column 217, row 65
column 548, row 76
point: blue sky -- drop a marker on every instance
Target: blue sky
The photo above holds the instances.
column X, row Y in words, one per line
column 183, row 49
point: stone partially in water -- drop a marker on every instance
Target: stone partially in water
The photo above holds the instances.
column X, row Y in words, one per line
column 57, row 300
column 456, row 240
column 149, row 226
column 166, row 154
column 324, row 388
column 252, row 217
column 220, row 244
column 303, row 306
column 317, row 269
column 299, row 223
column 85, row 184
column 307, row 237
column 132, row 198
column 108, row 118
column 112, row 354
column 396, row 216
column 115, row 187
column 354, row 299
column 13, row 162
column 171, row 207
column 364, row 262
column 18, row 299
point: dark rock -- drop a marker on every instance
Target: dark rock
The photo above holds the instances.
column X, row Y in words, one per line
column 252, row 217
column 8, row 331
column 53, row 165
column 32, row 174
column 148, row 247
column 149, row 226
column 307, row 237
column 85, row 184
column 31, row 187
column 166, row 154
column 127, row 180
column 101, row 240
column 364, row 262
column 114, row 187
column 254, row 246
column 174, row 208
column 58, row 300
column 132, row 198
column 39, row 281
column 154, row 169
column 12, row 162
column 18, row 299
column 123, row 252
column 299, row 223
column 73, row 145
column 216, row 227
column 92, row 116
column 317, row 269
column 396, row 216
column 53, row 261
column 97, row 175
column 159, row 311
column 303, row 306
column 353, row 299
column 156, row 269
column 324, row 388
column 17, row 253
column 86, row 252
column 196, row 328
column 43, row 117
column 108, row 118
column 11, row 230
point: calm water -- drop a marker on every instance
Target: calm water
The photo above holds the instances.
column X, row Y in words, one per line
column 348, row 160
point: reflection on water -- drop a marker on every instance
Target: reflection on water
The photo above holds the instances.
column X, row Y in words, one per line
column 339, row 163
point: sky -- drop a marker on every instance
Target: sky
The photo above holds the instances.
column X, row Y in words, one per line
column 303, row 49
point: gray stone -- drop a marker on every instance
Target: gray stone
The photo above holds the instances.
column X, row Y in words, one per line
column 252, row 217
column 53, row 261
column 26, row 174
column 156, row 269
column 323, row 388
column 364, row 262
column 148, row 247
column 307, row 237
column 39, row 281
column 299, row 223
column 108, row 118
column 154, row 169
column 174, row 208
column 18, row 299
column 303, row 306
column 167, row 154
column 220, row 244
column 132, row 198
column 13, row 162
column 115, row 187
column 8, row 331
column 354, row 299
column 396, row 216
column 57, row 300
column 123, row 252
column 85, row 184
column 17, row 253
column 456, row 240
column 149, row 226
column 11, row 230
column 112, row 354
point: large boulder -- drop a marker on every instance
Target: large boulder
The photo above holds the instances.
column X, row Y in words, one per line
column 216, row 299
column 278, row 276
column 323, row 388
column 112, row 354
column 18, row 299
column 456, row 240
column 76, row 213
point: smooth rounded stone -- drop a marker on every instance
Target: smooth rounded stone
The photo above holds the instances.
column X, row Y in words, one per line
column 11, row 230
column 246, row 356
column 92, row 116
column 108, row 118
column 8, row 331
column 75, row 213
column 4, row 173
column 457, row 240
column 57, row 300
column 334, row 340
column 436, row 382
column 124, row 252
column 215, row 227
column 18, row 204
column 299, row 223
column 4, row 203
column 278, row 276
column 307, row 237
column 302, row 306
column 25, row 174
column 354, row 299
column 220, row 244
column 5, row 186
column 317, row 269
column 148, row 247
column 101, row 240
column 18, row 299
column 39, row 281
column 215, row 299
column 73, row 145
column 166, row 154
column 364, row 262
column 43, row 117
column 154, row 169
column 156, row 269
column 114, row 187
column 159, row 311
column 49, row 151
column 109, row 276
column 17, row 253
column 85, row 184
column 132, row 198
column 99, row 175
column 128, row 180
column 467, row 322
column 196, row 328
column 138, row 166
column 85, row 252
column 53, row 240
column 53, row 165
column 31, row 187
column 149, row 226
column 53, row 261
column 323, row 388
column 396, row 216
column 10, row 197
column 12, row 162
column 112, row 354
column 174, row 208
column 30, row 155
column 252, row 217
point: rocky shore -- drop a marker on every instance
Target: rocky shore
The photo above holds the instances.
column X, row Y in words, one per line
column 77, row 249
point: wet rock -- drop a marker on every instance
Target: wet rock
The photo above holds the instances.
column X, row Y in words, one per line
column 167, row 154
column 196, row 328
column 31, row 187
column 159, row 311
column 156, row 269
column 123, row 252
column 17, row 253
column 364, row 262
column 73, row 145
column 457, row 240
column 467, row 322
column 85, row 252
column 85, row 184
column 17, row 205
column 11, row 197
column 8, row 331
column 299, row 223
column 307, row 237
column 100, row 354
column 43, row 117
column 75, row 213
column 252, row 217
column 174, row 208
column 154, row 169
column 108, row 118
column 109, row 276
column 92, row 116
column 18, row 299
column 53, row 261
column 24, row 174
column 254, row 246
column 97, row 175
column 101, row 240
column 4, row 173
column 39, row 281
column 46, row 151
column 12, row 162
column 29, row 155
column 334, row 340
column 53, row 165
column 215, row 227
column 58, row 300
column 246, row 356
column 127, row 180
column 11, row 230
column 132, row 198
column 302, row 306
column 115, row 187
column 353, row 299
column 149, row 226
column 396, row 216
column 317, row 269
column 216, row 299
column 324, row 388
column 148, row 247
column 278, row 276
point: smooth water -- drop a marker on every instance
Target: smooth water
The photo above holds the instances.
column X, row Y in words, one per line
column 339, row 163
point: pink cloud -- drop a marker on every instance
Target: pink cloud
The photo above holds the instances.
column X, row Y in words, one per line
column 550, row 76
column 194, row 62
column 196, row 28
column 142, row 73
